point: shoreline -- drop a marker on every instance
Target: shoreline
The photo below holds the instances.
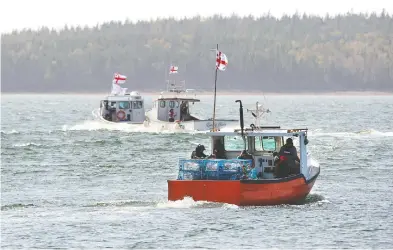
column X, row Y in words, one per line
column 224, row 93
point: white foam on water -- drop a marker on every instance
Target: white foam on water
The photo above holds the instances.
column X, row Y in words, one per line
column 359, row 134
column 22, row 145
column 13, row 131
column 188, row 202
column 125, row 127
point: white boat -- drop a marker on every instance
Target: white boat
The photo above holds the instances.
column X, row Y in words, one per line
column 172, row 110
column 122, row 107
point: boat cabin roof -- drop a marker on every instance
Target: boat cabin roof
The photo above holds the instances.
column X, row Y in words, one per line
column 178, row 99
column 261, row 131
column 133, row 96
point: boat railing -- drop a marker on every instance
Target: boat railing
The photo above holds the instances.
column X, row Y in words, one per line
column 212, row 169
column 177, row 87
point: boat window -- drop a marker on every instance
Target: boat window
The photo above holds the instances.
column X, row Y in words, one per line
column 171, row 104
column 162, row 104
column 137, row 105
column 265, row 143
column 234, row 143
column 124, row 105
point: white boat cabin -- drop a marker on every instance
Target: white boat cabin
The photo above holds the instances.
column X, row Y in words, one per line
column 173, row 109
column 174, row 104
column 263, row 145
column 128, row 108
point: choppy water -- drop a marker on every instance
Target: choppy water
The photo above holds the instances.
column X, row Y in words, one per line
column 72, row 182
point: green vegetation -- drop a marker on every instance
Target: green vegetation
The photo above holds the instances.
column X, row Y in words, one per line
column 296, row 53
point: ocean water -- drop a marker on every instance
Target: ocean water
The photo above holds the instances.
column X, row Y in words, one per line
column 71, row 181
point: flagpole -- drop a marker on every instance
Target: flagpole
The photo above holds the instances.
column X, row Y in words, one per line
column 215, row 93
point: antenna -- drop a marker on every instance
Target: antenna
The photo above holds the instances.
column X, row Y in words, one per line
column 258, row 112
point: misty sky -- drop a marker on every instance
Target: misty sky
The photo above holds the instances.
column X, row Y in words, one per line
column 19, row 14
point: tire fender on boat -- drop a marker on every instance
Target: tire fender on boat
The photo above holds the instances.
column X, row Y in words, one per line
column 121, row 115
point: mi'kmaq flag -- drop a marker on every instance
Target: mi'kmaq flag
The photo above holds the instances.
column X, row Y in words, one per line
column 173, row 70
column 221, row 60
column 117, row 80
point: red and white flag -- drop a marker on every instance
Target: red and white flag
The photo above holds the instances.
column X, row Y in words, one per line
column 221, row 60
column 119, row 79
column 173, row 70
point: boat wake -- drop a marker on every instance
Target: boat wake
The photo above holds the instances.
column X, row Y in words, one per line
column 95, row 125
column 361, row 133
column 187, row 202
column 100, row 124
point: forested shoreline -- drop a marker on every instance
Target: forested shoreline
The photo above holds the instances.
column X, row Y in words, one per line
column 299, row 53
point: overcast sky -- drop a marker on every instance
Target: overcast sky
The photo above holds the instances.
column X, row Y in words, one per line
column 19, row 14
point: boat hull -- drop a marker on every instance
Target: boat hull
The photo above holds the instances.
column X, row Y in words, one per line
column 290, row 190
column 197, row 125
column 121, row 122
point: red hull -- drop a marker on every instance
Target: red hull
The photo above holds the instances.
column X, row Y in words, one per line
column 290, row 190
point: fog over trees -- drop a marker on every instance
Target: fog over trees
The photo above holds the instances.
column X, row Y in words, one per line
column 299, row 53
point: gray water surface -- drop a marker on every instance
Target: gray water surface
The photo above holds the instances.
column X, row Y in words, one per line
column 70, row 181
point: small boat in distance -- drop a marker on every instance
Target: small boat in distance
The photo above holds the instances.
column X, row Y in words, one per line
column 245, row 169
column 120, row 106
column 172, row 110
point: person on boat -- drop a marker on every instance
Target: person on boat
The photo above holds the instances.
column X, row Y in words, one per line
column 288, row 159
column 198, row 153
column 172, row 115
column 218, row 149
column 184, row 112
column 217, row 154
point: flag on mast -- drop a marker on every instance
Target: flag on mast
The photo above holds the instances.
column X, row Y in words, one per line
column 173, row 69
column 221, row 60
column 119, row 79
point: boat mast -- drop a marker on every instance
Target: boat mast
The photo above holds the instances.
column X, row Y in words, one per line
column 258, row 113
column 215, row 91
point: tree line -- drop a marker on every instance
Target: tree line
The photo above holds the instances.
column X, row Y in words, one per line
column 297, row 53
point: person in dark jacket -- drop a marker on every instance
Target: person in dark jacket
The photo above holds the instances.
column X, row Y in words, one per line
column 198, row 153
column 289, row 160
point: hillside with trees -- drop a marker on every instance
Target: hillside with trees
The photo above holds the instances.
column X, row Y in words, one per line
column 352, row 52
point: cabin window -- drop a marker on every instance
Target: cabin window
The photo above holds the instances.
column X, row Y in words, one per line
column 234, row 143
column 265, row 143
column 171, row 104
column 137, row 105
column 162, row 104
column 124, row 105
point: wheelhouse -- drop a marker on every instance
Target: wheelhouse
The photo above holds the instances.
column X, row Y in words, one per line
column 127, row 108
column 172, row 109
column 262, row 144
column 174, row 103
